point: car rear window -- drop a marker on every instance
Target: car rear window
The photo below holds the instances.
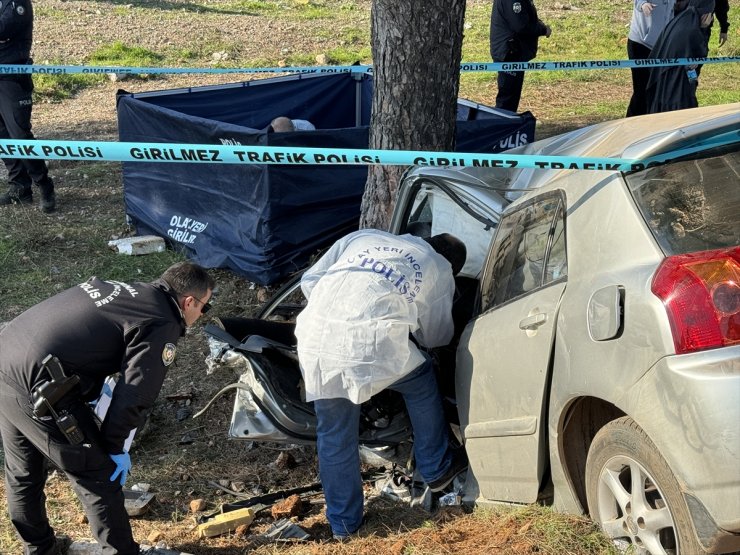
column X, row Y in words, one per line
column 692, row 204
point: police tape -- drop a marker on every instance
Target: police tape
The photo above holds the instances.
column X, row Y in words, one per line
column 594, row 64
column 466, row 67
column 239, row 154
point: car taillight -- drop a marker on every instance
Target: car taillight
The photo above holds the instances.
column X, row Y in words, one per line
column 701, row 293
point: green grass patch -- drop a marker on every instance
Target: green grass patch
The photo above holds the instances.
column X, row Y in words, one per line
column 598, row 111
column 184, row 55
column 349, row 36
column 55, row 257
column 709, row 97
column 69, row 246
column 121, row 11
column 344, row 56
column 312, row 12
column 121, row 54
column 251, row 7
column 301, row 9
column 476, row 33
column 49, row 12
column 551, row 532
column 55, row 88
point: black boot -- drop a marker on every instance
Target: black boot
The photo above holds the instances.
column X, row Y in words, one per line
column 16, row 194
column 48, row 198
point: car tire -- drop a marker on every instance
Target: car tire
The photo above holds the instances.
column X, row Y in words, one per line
column 654, row 519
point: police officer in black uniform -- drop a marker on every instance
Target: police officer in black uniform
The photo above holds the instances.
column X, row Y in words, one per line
column 16, row 37
column 721, row 9
column 515, row 32
column 95, row 329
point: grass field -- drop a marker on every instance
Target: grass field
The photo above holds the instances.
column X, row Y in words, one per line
column 40, row 254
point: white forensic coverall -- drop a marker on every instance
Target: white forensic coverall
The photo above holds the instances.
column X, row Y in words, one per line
column 303, row 125
column 365, row 296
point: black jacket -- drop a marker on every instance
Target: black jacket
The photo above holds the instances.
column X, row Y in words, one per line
column 515, row 30
column 669, row 87
column 16, row 31
column 96, row 329
column 721, row 9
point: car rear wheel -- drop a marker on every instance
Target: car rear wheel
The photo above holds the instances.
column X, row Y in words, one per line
column 633, row 494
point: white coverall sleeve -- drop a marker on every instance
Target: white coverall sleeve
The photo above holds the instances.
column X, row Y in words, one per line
column 436, row 327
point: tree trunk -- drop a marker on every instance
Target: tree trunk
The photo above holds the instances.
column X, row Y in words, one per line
column 416, row 46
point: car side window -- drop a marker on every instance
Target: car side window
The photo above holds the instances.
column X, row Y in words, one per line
column 528, row 251
column 420, row 219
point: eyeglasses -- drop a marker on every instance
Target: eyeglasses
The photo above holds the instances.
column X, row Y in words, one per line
column 206, row 306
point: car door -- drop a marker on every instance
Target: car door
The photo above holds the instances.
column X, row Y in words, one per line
column 503, row 359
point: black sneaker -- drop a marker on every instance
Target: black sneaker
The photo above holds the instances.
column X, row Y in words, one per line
column 458, row 464
column 48, row 198
column 16, row 195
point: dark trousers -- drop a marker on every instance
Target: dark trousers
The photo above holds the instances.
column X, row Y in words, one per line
column 338, row 437
column 640, row 76
column 28, row 445
column 509, row 89
column 15, row 123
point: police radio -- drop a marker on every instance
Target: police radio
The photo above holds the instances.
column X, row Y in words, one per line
column 50, row 393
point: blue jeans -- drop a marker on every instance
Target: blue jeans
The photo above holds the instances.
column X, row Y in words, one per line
column 338, row 443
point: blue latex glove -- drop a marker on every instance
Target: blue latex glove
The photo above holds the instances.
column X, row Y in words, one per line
column 123, row 465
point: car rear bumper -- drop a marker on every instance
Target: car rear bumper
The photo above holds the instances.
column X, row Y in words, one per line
column 689, row 405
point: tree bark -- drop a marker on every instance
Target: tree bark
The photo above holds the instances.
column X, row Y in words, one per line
column 416, row 46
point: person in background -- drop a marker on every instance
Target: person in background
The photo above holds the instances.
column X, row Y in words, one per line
column 649, row 18
column 286, row 125
column 16, row 102
column 721, row 9
column 514, row 37
column 93, row 330
column 674, row 87
column 373, row 300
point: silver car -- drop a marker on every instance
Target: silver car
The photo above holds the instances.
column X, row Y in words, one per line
column 597, row 361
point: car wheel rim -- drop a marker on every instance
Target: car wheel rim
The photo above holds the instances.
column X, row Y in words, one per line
column 633, row 509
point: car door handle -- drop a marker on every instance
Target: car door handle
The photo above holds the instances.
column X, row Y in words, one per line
column 533, row 322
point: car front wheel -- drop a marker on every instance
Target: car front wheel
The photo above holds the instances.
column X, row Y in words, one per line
column 633, row 494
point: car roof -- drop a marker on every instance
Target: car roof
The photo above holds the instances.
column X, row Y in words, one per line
column 630, row 138
column 641, row 137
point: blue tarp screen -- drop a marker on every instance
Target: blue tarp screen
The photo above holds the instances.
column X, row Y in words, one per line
column 265, row 221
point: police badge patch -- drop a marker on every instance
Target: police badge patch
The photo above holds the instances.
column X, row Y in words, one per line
column 517, row 7
column 168, row 354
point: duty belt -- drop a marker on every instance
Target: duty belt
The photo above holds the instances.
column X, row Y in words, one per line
column 18, row 388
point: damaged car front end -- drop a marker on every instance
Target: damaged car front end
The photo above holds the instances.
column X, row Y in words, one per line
column 270, row 405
